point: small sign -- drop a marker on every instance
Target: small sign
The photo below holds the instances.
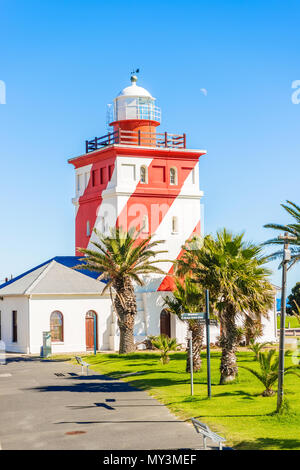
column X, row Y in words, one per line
column 211, row 322
column 193, row 316
column 46, row 343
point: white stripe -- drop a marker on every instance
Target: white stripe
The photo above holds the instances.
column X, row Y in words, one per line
column 118, row 193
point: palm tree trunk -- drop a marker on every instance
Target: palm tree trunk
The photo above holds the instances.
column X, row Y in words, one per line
column 268, row 392
column 125, row 305
column 228, row 367
column 197, row 335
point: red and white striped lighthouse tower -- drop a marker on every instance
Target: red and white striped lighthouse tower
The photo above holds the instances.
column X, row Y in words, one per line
column 136, row 176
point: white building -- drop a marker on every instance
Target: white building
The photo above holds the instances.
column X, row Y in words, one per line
column 54, row 297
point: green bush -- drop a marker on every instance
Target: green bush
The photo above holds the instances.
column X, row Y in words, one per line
column 165, row 345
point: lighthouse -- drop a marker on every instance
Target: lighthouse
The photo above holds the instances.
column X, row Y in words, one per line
column 136, row 176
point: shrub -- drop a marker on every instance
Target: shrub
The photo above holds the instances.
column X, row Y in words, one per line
column 165, row 345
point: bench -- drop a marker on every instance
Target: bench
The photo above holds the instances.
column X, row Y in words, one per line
column 83, row 364
column 202, row 428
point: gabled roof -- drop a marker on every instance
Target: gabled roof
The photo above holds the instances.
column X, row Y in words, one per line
column 55, row 276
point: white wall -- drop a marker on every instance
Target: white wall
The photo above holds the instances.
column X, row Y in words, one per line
column 7, row 305
column 74, row 309
column 270, row 326
column 155, row 305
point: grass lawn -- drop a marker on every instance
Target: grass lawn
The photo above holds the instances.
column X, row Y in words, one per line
column 237, row 410
column 290, row 322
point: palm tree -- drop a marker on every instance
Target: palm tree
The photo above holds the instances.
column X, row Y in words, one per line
column 293, row 229
column 121, row 259
column 268, row 374
column 165, row 345
column 257, row 348
column 234, row 272
column 188, row 297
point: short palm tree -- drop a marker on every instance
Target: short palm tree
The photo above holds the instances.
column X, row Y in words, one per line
column 268, row 374
column 292, row 229
column 257, row 348
column 165, row 345
column 121, row 259
column 234, row 272
column 188, row 297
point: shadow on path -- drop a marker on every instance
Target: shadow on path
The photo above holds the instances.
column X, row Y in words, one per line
column 112, row 387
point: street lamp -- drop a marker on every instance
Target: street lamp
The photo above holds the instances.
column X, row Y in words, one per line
column 286, row 258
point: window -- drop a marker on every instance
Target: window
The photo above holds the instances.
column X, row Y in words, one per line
column 94, row 177
column 102, row 175
column 78, row 182
column 86, row 180
column 56, row 326
column 145, row 224
column 14, row 327
column 143, row 174
column 174, row 224
column 110, row 171
column 102, row 224
column 88, row 229
column 173, row 176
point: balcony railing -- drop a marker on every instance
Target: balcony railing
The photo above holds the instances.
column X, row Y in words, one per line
column 141, row 138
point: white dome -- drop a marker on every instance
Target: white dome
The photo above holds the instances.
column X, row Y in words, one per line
column 135, row 90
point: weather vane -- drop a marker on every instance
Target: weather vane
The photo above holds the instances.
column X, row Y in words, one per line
column 135, row 71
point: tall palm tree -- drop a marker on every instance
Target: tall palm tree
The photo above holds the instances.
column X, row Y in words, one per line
column 233, row 271
column 293, row 229
column 121, row 259
column 188, row 297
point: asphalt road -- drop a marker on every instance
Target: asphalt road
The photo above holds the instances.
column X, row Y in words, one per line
column 50, row 405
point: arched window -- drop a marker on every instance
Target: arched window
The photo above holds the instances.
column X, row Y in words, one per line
column 57, row 326
column 173, row 176
column 175, row 224
column 165, row 323
column 143, row 174
column 102, row 224
column 145, row 224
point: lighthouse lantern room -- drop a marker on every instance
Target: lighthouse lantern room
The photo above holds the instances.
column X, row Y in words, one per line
column 136, row 103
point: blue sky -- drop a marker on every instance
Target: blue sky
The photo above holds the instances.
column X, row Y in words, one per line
column 63, row 61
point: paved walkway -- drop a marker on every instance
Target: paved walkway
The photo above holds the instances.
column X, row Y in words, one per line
column 49, row 405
